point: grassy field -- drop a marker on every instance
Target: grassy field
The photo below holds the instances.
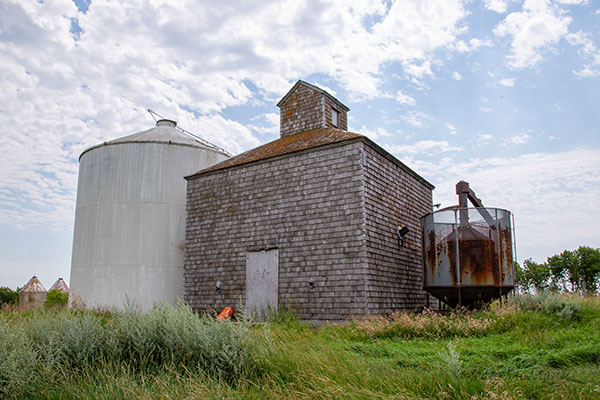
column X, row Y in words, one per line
column 542, row 347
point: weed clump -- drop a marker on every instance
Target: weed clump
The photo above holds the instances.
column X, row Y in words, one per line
column 177, row 336
column 17, row 359
column 428, row 324
column 549, row 303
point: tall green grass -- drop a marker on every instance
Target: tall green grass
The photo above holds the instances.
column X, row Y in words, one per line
column 42, row 345
column 524, row 348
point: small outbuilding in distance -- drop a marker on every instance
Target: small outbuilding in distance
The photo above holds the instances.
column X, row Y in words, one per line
column 33, row 294
column 322, row 221
column 61, row 285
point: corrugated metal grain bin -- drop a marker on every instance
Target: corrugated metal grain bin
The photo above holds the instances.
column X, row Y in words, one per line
column 130, row 217
column 33, row 294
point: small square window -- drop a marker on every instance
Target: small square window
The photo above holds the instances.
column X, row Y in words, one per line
column 335, row 117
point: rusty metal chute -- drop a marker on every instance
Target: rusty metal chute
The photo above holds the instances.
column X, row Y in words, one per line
column 467, row 252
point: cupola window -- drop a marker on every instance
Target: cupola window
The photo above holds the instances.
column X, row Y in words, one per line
column 335, row 117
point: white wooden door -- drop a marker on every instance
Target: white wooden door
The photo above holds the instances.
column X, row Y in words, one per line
column 262, row 283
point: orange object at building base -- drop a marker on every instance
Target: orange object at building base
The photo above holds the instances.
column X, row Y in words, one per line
column 225, row 314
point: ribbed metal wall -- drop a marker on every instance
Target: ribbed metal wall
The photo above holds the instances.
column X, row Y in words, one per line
column 130, row 217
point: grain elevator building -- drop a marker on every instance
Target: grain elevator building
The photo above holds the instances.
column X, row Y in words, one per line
column 310, row 221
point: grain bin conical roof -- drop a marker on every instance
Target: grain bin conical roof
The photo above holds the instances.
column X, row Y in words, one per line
column 166, row 132
column 34, row 285
column 61, row 285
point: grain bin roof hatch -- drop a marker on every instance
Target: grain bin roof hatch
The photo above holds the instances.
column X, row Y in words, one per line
column 468, row 252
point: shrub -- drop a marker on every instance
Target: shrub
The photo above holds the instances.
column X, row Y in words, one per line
column 18, row 361
column 549, row 303
column 56, row 298
column 8, row 296
column 178, row 337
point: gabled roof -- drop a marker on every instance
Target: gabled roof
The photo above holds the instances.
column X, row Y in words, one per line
column 34, row 285
column 312, row 87
column 285, row 145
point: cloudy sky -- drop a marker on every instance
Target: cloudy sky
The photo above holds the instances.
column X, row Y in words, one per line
column 502, row 93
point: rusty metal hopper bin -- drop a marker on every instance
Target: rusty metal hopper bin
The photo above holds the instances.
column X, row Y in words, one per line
column 467, row 255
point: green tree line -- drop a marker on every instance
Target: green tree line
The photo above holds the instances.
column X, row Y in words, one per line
column 55, row 297
column 576, row 271
column 9, row 296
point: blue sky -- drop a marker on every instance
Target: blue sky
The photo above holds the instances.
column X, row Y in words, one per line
column 502, row 93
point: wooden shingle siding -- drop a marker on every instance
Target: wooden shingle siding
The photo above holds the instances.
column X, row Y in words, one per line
column 308, row 205
column 393, row 198
column 332, row 212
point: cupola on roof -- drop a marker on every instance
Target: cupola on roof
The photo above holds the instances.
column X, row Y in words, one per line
column 306, row 107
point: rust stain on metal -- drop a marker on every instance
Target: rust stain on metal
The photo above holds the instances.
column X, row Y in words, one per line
column 507, row 253
column 478, row 258
column 61, row 285
column 450, row 249
column 471, row 262
column 430, row 258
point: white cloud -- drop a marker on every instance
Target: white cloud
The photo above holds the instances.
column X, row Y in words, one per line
column 374, row 133
column 485, row 109
column 588, row 71
column 509, row 82
column 451, row 128
column 572, row 1
column 472, row 45
column 404, row 99
column 418, row 72
column 270, row 124
column 189, row 61
column 423, row 147
column 535, row 29
column 517, row 139
column 589, row 51
column 484, row 138
column 456, row 76
column 499, row 6
column 418, row 119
